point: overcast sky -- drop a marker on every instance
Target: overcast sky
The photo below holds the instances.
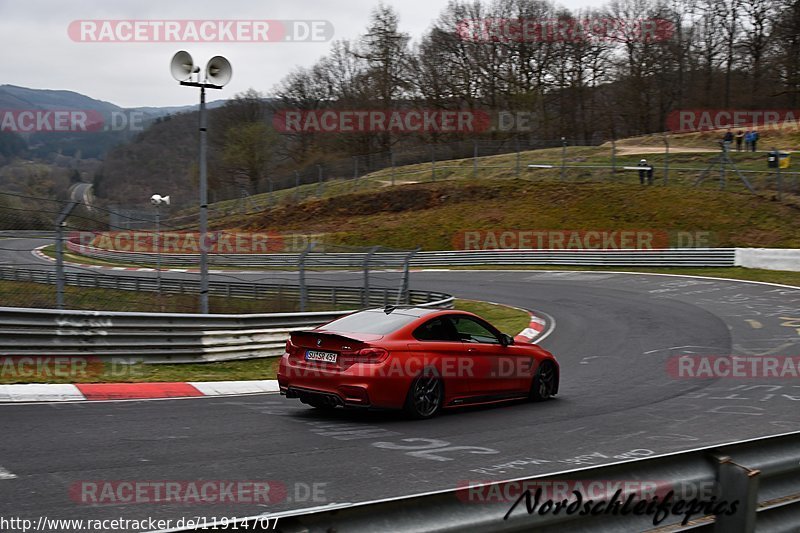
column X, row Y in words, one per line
column 38, row 52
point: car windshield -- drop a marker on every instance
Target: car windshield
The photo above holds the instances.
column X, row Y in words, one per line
column 375, row 322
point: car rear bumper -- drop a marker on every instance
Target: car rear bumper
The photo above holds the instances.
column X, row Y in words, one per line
column 349, row 389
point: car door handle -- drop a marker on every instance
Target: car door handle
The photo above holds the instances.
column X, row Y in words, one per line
column 471, row 350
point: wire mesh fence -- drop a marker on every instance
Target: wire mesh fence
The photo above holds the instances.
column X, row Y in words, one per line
column 671, row 163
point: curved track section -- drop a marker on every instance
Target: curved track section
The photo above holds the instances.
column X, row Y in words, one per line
column 614, row 334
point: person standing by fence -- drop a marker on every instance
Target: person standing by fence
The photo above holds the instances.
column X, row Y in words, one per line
column 728, row 140
column 739, row 139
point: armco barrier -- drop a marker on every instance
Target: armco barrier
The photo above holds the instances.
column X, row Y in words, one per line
column 699, row 257
column 172, row 337
column 762, row 475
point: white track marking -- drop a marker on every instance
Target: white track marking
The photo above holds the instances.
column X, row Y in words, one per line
column 5, row 474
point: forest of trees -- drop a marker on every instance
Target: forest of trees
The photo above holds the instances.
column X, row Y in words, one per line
column 742, row 54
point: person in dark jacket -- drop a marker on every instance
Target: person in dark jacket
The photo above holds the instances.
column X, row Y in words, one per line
column 728, row 140
column 739, row 139
column 645, row 172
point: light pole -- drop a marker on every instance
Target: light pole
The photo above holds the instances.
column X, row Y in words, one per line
column 218, row 73
column 157, row 200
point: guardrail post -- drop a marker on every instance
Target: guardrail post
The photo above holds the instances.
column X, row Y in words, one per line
column 737, row 483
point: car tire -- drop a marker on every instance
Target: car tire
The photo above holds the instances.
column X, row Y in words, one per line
column 545, row 382
column 425, row 396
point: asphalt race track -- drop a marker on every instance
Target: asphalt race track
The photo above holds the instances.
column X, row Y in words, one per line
column 613, row 335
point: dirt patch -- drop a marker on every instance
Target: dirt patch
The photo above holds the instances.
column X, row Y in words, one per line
column 635, row 150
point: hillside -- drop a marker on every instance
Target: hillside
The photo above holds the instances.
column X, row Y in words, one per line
column 432, row 215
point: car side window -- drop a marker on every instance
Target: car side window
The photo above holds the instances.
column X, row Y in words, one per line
column 437, row 329
column 470, row 330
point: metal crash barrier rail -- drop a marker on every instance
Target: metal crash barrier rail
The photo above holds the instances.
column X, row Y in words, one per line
column 174, row 337
column 720, row 257
column 760, row 476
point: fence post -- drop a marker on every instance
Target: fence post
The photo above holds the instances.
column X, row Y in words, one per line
column 355, row 172
column 61, row 221
column 613, row 158
column 778, row 170
column 433, row 163
column 60, row 266
column 563, row 157
column 666, row 159
column 365, row 297
column 403, row 293
column 391, row 163
column 301, row 267
column 519, row 155
column 296, row 186
column 320, row 186
column 271, row 192
column 475, row 159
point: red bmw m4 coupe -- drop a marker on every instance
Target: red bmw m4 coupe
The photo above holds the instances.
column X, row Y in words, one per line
column 416, row 359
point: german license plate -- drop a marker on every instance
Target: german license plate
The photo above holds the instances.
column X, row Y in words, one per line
column 323, row 357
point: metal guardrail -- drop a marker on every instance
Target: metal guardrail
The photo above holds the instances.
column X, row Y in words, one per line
column 762, row 475
column 720, row 257
column 174, row 337
column 27, row 233
column 324, row 295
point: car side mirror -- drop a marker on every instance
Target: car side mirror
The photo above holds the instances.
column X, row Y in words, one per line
column 506, row 340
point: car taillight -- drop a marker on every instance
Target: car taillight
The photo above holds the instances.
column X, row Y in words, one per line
column 291, row 349
column 371, row 355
